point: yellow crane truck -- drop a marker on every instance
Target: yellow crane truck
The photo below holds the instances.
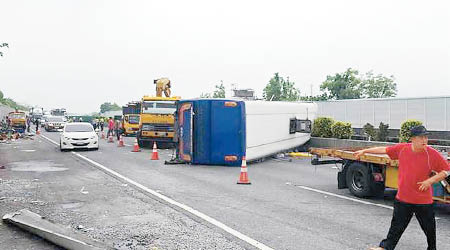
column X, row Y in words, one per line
column 157, row 119
column 18, row 121
column 371, row 174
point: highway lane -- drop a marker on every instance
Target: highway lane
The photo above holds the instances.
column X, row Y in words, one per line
column 273, row 210
column 69, row 191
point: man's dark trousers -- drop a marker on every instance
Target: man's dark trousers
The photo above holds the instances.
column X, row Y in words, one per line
column 403, row 213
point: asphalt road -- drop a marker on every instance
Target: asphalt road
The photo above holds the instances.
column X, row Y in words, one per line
column 284, row 208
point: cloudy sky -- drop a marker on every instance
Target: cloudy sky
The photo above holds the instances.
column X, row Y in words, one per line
column 79, row 54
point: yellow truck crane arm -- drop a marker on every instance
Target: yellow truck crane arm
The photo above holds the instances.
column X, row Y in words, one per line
column 162, row 85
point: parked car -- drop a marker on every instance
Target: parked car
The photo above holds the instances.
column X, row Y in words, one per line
column 78, row 135
column 54, row 123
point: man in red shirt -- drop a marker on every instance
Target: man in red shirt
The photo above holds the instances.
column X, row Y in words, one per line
column 417, row 161
column 110, row 127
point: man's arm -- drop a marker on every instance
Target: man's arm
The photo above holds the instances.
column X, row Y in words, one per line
column 375, row 150
column 424, row 185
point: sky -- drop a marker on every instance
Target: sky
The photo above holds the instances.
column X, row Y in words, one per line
column 80, row 54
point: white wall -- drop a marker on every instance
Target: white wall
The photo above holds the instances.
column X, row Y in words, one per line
column 434, row 112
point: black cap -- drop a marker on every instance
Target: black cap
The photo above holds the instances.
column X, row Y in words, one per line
column 419, row 130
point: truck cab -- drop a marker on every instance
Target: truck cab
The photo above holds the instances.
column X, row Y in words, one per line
column 18, row 120
column 131, row 118
column 157, row 120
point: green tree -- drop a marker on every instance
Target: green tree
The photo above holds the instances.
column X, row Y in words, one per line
column 346, row 85
column 378, row 86
column 1, row 95
column 341, row 130
column 383, row 132
column 107, row 106
column 405, row 129
column 219, row 92
column 279, row 89
column 322, row 127
column 369, row 130
column 3, row 45
column 12, row 104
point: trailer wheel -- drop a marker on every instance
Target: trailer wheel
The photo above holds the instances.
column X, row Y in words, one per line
column 359, row 180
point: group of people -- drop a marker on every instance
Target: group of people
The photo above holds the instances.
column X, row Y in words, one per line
column 114, row 126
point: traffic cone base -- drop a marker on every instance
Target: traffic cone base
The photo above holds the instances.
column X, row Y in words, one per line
column 155, row 155
column 110, row 139
column 136, row 146
column 120, row 142
column 243, row 177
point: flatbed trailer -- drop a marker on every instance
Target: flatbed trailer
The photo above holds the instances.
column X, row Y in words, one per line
column 369, row 175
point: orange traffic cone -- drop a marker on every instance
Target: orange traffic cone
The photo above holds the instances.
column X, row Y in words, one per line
column 155, row 152
column 136, row 146
column 243, row 178
column 38, row 132
column 120, row 142
column 110, row 139
column 103, row 135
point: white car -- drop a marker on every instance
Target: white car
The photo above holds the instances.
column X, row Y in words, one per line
column 78, row 135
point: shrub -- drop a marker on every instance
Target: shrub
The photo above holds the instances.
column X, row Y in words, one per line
column 322, row 127
column 405, row 129
column 382, row 132
column 369, row 130
column 342, row 130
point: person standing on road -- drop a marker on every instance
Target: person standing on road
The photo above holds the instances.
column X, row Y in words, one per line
column 37, row 124
column 417, row 161
column 28, row 123
column 110, row 127
column 117, row 127
column 102, row 124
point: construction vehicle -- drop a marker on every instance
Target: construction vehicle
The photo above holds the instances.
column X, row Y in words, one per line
column 369, row 175
column 18, row 120
column 131, row 117
column 157, row 120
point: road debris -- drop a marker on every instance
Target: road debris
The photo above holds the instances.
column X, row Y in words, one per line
column 57, row 234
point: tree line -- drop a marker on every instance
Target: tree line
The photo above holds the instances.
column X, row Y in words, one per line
column 349, row 84
column 11, row 103
column 346, row 85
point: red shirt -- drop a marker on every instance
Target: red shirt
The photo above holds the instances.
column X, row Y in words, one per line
column 415, row 167
column 111, row 124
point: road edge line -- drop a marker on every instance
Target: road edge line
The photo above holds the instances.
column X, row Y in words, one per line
column 186, row 208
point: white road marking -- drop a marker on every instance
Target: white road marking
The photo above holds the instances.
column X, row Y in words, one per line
column 186, row 208
column 347, row 198
column 344, row 197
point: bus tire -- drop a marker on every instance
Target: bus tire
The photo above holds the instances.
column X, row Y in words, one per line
column 359, row 180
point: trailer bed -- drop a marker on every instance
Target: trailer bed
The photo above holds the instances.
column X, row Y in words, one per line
column 389, row 170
